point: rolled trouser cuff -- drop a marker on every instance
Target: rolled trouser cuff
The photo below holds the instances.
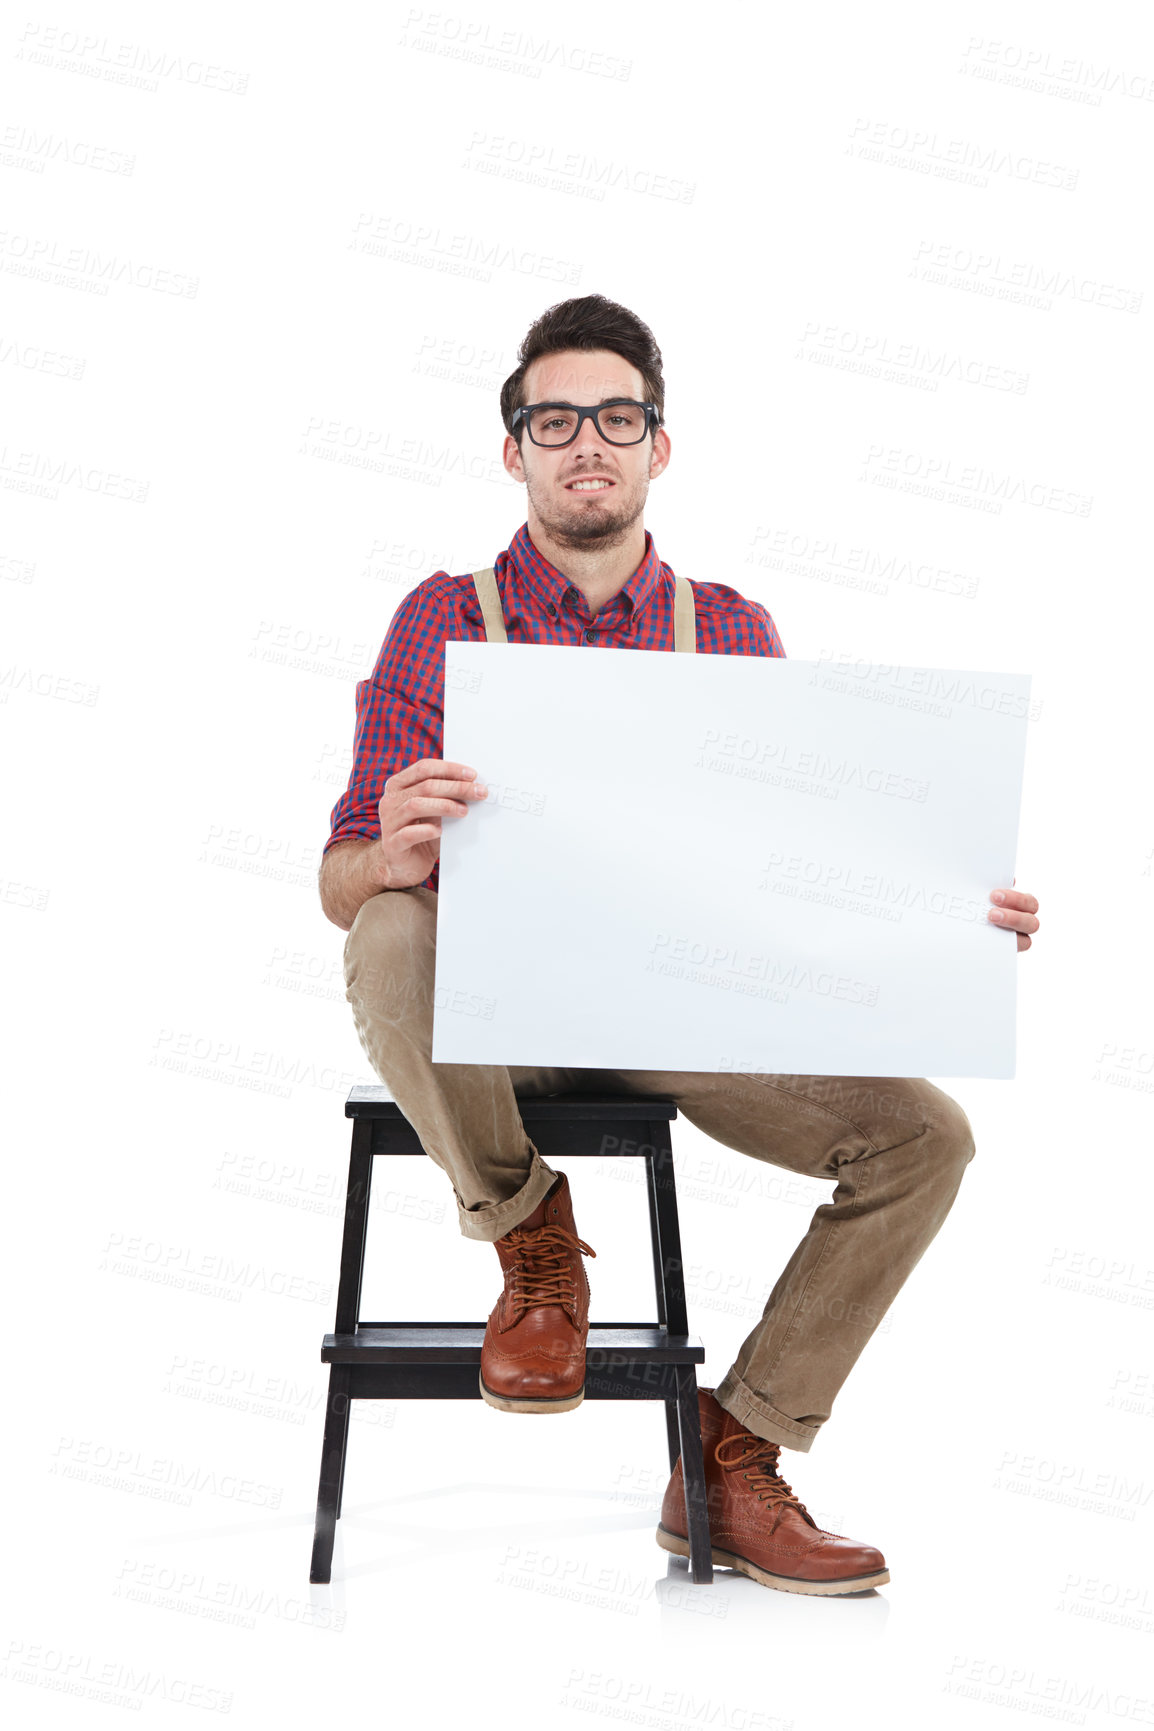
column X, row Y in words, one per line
column 493, row 1219
column 756, row 1414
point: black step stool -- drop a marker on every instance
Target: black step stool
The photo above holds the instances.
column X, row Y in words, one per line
column 441, row 1360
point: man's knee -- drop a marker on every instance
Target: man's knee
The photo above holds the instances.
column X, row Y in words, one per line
column 911, row 1110
column 952, row 1131
column 392, row 939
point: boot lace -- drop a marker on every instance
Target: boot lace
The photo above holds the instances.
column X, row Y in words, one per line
column 540, row 1273
column 756, row 1460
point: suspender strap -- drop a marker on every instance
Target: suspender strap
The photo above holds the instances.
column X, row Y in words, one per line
column 684, row 612
column 684, row 616
column 489, row 596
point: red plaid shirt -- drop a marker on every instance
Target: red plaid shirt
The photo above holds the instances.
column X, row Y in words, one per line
column 400, row 707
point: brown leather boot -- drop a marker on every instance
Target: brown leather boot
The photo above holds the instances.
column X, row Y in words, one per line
column 533, row 1354
column 757, row 1525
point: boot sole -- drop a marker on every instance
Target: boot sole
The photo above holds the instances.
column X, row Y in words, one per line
column 784, row 1583
column 506, row 1403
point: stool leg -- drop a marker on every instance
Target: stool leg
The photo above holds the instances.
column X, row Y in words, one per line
column 332, row 1472
column 344, row 1457
column 673, row 1432
column 666, row 1231
column 655, row 1238
column 336, row 1437
column 693, row 1473
column 356, row 1228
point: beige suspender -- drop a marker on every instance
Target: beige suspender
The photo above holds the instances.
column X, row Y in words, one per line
column 487, row 594
column 684, row 612
column 684, row 615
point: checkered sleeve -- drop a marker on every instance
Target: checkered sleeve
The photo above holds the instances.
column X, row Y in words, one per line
column 773, row 644
column 400, row 710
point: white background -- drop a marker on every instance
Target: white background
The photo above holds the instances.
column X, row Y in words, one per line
column 177, row 682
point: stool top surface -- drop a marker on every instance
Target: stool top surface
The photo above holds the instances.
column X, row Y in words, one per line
column 365, row 1101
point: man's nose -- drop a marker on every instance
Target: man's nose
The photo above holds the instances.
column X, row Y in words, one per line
column 589, row 441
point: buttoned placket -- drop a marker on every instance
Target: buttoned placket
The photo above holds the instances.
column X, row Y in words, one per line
column 592, row 633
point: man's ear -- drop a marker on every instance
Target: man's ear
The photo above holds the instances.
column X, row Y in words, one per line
column 659, row 461
column 511, row 457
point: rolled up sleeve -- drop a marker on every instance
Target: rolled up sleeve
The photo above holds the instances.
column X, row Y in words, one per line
column 400, row 711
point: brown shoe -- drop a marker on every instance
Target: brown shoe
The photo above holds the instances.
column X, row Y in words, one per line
column 757, row 1525
column 533, row 1354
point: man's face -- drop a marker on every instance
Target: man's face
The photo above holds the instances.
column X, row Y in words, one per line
column 573, row 516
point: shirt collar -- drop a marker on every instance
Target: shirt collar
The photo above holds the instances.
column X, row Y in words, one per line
column 550, row 585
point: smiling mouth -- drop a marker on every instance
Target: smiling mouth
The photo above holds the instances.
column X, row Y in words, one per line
column 598, row 484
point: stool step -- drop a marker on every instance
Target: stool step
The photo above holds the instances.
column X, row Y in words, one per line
column 460, row 1343
column 371, row 1102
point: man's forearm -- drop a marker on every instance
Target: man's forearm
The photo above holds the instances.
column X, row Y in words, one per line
column 350, row 873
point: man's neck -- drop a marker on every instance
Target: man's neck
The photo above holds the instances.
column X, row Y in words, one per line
column 599, row 572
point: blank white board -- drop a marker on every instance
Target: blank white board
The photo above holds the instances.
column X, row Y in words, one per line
column 713, row 862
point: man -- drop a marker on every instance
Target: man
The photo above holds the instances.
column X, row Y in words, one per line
column 584, row 414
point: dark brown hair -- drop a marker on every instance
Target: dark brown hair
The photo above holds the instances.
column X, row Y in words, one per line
column 588, row 322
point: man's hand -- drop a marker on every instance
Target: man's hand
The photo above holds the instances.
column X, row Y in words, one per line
column 1016, row 912
column 411, row 808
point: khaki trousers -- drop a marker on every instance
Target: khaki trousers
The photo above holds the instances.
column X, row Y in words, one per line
column 897, row 1148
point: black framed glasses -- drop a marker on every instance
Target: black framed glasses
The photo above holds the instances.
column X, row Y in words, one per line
column 620, row 421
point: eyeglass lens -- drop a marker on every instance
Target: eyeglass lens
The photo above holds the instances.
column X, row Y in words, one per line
column 619, row 423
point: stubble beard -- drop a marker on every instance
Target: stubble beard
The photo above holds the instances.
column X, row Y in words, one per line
column 601, row 528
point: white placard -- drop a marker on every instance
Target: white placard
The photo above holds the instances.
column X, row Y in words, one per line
column 714, row 862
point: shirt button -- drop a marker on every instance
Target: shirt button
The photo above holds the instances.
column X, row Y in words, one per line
column 589, row 636
column 552, row 610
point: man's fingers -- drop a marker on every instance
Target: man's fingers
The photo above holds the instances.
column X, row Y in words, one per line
column 427, row 768
column 1014, row 919
column 460, row 790
column 436, row 802
column 1022, row 900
